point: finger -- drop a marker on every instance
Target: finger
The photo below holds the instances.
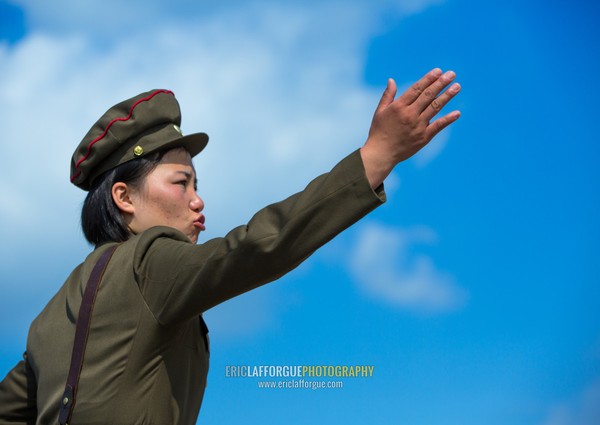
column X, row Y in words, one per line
column 388, row 95
column 439, row 102
column 410, row 95
column 441, row 123
column 430, row 93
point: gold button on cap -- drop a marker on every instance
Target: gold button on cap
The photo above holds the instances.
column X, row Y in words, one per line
column 177, row 129
column 138, row 150
column 65, row 400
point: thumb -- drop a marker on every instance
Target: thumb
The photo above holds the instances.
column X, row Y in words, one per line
column 388, row 95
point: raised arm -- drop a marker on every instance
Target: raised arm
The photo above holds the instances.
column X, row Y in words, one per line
column 402, row 126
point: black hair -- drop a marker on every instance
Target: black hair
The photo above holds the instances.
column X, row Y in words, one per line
column 101, row 220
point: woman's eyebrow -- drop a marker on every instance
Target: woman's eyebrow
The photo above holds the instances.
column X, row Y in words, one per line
column 187, row 174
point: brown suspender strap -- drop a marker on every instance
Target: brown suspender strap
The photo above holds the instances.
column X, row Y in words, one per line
column 81, row 333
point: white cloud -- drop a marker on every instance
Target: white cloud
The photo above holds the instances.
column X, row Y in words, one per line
column 388, row 266
column 113, row 18
column 583, row 409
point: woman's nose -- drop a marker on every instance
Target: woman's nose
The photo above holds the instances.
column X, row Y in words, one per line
column 197, row 204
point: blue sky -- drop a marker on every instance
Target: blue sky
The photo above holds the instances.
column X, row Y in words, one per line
column 473, row 292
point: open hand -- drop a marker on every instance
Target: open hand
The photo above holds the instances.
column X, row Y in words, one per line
column 402, row 126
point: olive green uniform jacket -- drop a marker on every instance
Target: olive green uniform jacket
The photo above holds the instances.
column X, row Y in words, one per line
column 147, row 354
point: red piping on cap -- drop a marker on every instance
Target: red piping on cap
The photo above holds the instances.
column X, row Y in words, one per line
column 97, row 139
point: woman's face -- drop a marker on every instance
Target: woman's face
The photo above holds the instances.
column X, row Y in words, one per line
column 168, row 197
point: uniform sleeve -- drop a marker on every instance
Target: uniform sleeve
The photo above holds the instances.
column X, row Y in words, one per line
column 18, row 396
column 180, row 280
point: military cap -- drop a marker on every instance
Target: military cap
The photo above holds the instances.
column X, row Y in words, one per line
column 134, row 128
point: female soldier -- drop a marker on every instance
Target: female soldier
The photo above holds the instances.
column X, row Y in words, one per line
column 146, row 357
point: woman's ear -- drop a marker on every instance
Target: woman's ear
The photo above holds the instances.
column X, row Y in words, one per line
column 121, row 194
